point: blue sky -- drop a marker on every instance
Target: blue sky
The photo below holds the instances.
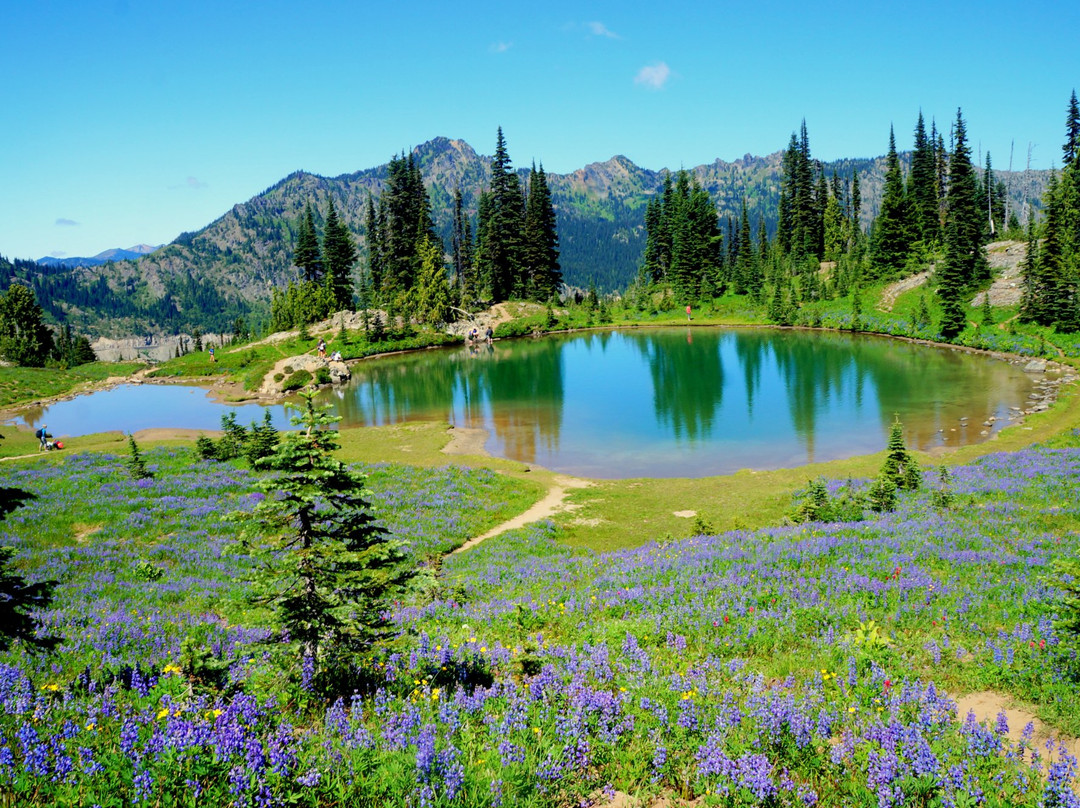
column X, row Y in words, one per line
column 124, row 121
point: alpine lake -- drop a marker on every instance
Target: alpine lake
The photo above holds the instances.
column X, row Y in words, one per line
column 670, row 402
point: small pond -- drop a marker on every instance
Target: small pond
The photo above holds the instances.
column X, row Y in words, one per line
column 673, row 402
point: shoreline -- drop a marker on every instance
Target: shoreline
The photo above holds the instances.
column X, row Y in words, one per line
column 466, row 440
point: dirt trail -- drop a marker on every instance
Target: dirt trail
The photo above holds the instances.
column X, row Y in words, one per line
column 551, row 504
column 891, row 292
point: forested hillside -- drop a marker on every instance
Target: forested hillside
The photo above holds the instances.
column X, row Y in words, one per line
column 229, row 269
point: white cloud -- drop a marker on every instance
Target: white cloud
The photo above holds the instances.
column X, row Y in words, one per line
column 501, row 47
column 194, row 182
column 67, row 223
column 599, row 29
column 653, row 76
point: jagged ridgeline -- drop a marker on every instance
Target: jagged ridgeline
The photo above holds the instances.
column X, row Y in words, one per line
column 208, row 278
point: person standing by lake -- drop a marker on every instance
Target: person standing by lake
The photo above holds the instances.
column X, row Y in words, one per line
column 688, row 313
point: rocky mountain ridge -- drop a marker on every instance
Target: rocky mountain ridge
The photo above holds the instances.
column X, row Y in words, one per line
column 600, row 207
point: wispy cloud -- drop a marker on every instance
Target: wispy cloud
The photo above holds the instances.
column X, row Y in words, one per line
column 193, row 183
column 599, row 29
column 501, row 47
column 66, row 223
column 653, row 76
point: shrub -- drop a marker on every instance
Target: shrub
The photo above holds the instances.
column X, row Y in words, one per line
column 297, row 381
column 322, row 376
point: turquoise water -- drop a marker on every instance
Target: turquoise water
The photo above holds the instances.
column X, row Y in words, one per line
column 690, row 401
column 679, row 402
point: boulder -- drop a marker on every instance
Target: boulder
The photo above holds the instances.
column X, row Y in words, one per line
column 339, row 372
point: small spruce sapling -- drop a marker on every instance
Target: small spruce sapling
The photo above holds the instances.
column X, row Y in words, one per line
column 328, row 570
column 136, row 465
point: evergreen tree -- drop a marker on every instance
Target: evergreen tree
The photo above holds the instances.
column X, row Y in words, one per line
column 1054, row 270
column 462, row 251
column 328, row 569
column 136, row 465
column 964, row 261
column 747, row 269
column 892, row 233
column 261, row 441
column 404, row 224
column 922, row 188
column 856, row 212
column 374, row 243
column 501, row 228
column 24, row 337
column 432, row 303
column 306, row 255
column 541, row 249
column 18, row 600
column 835, row 242
column 1071, row 149
column 339, row 256
column 900, row 468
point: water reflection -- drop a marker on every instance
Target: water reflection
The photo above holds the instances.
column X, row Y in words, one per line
column 639, row 402
column 682, row 402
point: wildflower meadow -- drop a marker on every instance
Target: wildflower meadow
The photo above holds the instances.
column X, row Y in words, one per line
column 814, row 664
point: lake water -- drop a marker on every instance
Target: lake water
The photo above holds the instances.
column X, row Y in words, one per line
column 679, row 402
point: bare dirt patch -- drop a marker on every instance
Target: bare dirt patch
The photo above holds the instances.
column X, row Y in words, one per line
column 171, row 433
column 894, row 290
column 684, row 514
column 987, row 705
column 466, row 441
column 553, row 503
column 1005, row 258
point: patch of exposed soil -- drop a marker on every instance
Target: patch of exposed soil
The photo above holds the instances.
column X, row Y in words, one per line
column 466, row 441
column 553, row 503
column 894, row 290
column 987, row 705
column 1005, row 258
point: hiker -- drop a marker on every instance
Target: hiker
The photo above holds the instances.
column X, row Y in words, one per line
column 489, row 335
column 322, row 348
column 212, row 357
column 687, row 313
column 474, row 335
column 43, row 438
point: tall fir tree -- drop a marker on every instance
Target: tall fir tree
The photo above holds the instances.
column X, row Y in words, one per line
column 541, row 250
column 1071, row 150
column 306, row 255
column 1035, row 298
column 922, row 187
column 892, row 230
column 964, row 262
column 500, row 230
column 339, row 257
column 374, row 243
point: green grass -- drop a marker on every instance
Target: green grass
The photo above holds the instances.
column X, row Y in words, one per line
column 19, row 385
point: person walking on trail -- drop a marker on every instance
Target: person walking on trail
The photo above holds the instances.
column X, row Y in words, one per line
column 322, row 348
column 43, row 438
column 212, row 357
column 688, row 313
